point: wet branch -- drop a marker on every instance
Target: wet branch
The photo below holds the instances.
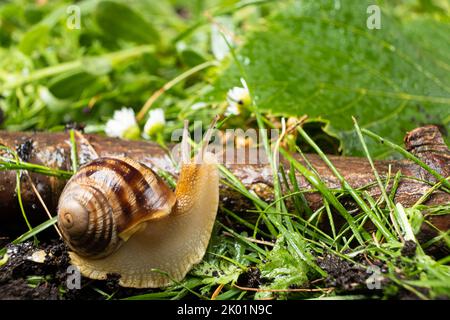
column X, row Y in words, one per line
column 54, row 150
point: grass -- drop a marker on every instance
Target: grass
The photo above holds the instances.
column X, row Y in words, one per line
column 84, row 76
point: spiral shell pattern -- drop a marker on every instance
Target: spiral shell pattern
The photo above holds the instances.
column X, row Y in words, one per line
column 106, row 200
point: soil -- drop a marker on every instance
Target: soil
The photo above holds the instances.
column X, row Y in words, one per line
column 409, row 249
column 250, row 279
column 22, row 278
column 348, row 277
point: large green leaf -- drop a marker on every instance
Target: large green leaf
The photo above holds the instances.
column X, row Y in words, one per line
column 70, row 85
column 319, row 58
column 34, row 38
column 119, row 21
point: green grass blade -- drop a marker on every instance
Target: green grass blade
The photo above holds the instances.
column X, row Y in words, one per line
column 364, row 207
column 323, row 189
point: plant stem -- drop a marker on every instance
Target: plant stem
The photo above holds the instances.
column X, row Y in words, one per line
column 113, row 58
column 148, row 104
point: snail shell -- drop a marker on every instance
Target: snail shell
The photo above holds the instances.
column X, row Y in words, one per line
column 119, row 217
column 107, row 201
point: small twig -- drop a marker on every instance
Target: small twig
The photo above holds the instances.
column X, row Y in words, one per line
column 267, row 298
column 217, row 291
column 374, row 237
column 73, row 151
column 316, row 280
column 326, row 290
column 42, row 202
column 266, row 243
column 367, row 259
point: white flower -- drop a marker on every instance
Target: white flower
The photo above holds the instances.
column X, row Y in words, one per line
column 232, row 109
column 155, row 123
column 123, row 124
column 238, row 97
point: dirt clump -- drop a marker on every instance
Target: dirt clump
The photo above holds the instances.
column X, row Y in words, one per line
column 250, row 278
column 348, row 276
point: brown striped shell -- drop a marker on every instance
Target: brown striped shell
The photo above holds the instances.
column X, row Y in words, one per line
column 107, row 201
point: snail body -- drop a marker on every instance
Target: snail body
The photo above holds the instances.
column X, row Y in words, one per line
column 118, row 216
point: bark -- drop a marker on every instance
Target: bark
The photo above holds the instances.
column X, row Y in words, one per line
column 53, row 150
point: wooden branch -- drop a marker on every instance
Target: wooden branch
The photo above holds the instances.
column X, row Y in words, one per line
column 53, row 150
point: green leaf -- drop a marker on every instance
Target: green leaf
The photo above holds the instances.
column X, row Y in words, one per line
column 71, row 85
column 119, row 21
column 319, row 58
column 34, row 38
column 282, row 268
column 191, row 58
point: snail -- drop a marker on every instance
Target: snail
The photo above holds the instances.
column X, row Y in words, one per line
column 117, row 216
